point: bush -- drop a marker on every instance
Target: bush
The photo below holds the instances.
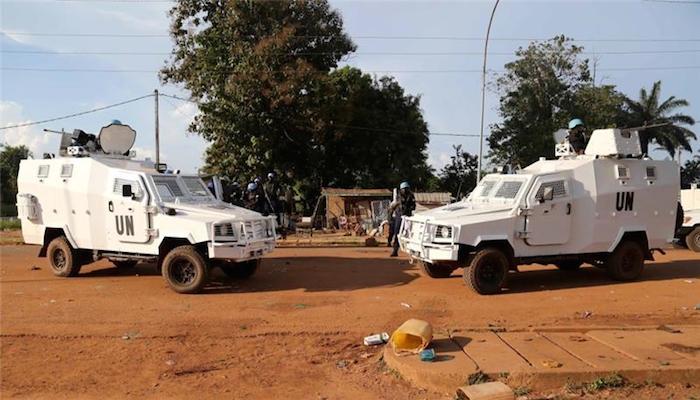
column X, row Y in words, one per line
column 8, row 210
column 10, row 224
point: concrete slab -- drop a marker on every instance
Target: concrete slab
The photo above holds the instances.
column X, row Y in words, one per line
column 490, row 353
column 540, row 352
column 450, row 370
column 594, row 353
column 551, row 359
column 486, row 391
column 635, row 344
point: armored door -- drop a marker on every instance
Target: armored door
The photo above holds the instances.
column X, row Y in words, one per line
column 126, row 206
column 548, row 220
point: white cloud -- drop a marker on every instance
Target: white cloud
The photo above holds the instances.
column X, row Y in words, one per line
column 136, row 22
column 439, row 160
column 11, row 113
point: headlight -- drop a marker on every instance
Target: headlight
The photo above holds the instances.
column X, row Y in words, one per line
column 443, row 232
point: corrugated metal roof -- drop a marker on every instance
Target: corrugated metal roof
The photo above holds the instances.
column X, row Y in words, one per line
column 433, row 197
column 356, row 192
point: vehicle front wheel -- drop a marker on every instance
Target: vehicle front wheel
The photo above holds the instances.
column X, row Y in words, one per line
column 64, row 260
column 486, row 274
column 692, row 240
column 626, row 262
column 435, row 270
column 240, row 270
column 185, row 270
column 569, row 265
column 124, row 264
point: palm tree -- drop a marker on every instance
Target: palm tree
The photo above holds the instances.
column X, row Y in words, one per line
column 648, row 111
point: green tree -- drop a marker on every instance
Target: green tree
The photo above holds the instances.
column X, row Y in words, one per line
column 459, row 176
column 649, row 110
column 538, row 91
column 261, row 74
column 690, row 172
column 546, row 86
column 9, row 168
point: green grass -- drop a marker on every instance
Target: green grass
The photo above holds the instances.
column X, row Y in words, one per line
column 10, row 224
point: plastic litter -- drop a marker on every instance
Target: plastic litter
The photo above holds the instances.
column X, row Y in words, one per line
column 412, row 336
column 379, row 338
column 427, row 355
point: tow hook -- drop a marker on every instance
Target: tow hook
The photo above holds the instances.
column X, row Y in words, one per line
column 659, row 250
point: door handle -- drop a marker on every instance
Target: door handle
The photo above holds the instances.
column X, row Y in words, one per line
column 568, row 208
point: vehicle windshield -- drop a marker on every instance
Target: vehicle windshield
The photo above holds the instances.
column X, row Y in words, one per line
column 498, row 188
column 172, row 187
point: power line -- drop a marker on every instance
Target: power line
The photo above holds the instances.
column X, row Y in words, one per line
column 354, row 126
column 377, row 37
column 369, row 53
column 384, row 71
column 76, row 114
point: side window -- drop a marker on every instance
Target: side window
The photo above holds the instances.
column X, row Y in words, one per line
column 558, row 189
column 66, row 170
column 135, row 187
column 43, row 171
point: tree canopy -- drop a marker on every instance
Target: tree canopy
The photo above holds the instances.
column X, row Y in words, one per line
column 270, row 98
column 549, row 83
column 650, row 110
column 9, row 168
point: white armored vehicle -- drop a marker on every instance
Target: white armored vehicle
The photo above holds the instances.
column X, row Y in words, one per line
column 95, row 201
column 689, row 232
column 610, row 207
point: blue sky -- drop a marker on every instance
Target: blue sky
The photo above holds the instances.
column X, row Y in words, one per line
column 450, row 100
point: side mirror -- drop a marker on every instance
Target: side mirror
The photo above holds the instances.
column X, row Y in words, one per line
column 546, row 195
column 127, row 191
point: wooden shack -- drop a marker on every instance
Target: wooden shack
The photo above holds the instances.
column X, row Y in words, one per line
column 355, row 206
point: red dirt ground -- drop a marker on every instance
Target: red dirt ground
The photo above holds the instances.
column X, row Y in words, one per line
column 295, row 329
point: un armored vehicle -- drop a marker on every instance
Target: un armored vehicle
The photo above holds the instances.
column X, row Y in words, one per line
column 689, row 232
column 610, row 207
column 96, row 201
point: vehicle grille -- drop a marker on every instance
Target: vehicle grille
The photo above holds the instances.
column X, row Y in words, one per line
column 416, row 231
column 257, row 229
column 224, row 230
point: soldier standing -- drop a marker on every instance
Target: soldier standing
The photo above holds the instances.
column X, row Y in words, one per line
column 577, row 135
column 404, row 205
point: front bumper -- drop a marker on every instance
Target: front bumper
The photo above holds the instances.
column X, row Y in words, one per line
column 240, row 252
column 414, row 239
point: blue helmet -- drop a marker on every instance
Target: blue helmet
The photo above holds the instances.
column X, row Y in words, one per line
column 574, row 123
column 404, row 185
column 252, row 186
column 116, row 122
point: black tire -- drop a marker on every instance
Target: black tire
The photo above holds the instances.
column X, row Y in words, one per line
column 569, row 265
column 185, row 270
column 63, row 259
column 240, row 270
column 124, row 264
column 626, row 262
column 436, row 271
column 486, row 274
column 692, row 240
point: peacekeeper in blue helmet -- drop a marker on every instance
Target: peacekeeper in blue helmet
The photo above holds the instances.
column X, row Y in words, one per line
column 577, row 135
column 404, row 205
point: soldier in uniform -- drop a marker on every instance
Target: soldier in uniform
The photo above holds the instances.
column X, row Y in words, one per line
column 577, row 135
column 404, row 205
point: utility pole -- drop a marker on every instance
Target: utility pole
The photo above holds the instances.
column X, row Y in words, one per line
column 483, row 95
column 155, row 97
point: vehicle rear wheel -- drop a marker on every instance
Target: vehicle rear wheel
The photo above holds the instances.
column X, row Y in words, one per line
column 692, row 240
column 626, row 262
column 185, row 270
column 435, row 270
column 569, row 265
column 63, row 259
column 240, row 270
column 124, row 264
column 486, row 274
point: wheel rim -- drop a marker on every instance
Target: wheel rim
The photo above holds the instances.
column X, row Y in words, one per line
column 489, row 273
column 696, row 240
column 183, row 272
column 59, row 259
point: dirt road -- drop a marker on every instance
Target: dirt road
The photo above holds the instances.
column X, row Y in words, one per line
column 294, row 330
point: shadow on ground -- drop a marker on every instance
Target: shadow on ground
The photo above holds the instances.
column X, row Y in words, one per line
column 313, row 274
column 554, row 279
